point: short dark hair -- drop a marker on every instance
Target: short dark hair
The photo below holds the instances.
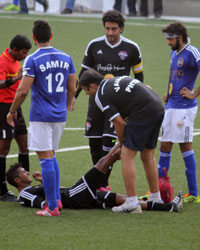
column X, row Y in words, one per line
column 20, row 42
column 42, row 31
column 176, row 28
column 90, row 76
column 12, row 173
column 113, row 16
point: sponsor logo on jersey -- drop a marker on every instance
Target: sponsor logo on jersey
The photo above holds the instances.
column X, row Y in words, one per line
column 109, row 67
column 180, row 124
column 170, row 88
column 87, row 125
column 180, row 62
column 123, row 55
column 100, row 52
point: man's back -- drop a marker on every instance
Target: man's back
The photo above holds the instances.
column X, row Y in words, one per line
column 129, row 97
column 51, row 69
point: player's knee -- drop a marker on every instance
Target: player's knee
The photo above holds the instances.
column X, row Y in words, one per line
column 108, row 143
column 4, row 149
column 166, row 147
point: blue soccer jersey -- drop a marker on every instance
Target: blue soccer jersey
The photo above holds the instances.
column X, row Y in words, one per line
column 51, row 69
column 185, row 66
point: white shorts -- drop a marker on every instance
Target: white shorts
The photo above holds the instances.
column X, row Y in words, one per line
column 44, row 136
column 178, row 125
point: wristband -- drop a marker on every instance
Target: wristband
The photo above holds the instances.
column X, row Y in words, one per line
column 9, row 82
column 12, row 112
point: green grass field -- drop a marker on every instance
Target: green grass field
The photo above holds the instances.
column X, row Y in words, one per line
column 20, row 228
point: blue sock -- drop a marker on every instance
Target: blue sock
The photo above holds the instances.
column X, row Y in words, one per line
column 164, row 162
column 57, row 170
column 190, row 171
column 15, row 2
column 49, row 182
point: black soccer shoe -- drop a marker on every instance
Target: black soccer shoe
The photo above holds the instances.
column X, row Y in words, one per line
column 177, row 203
column 9, row 196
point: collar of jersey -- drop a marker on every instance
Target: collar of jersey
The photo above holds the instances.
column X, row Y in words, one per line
column 115, row 45
column 49, row 47
column 8, row 56
column 177, row 53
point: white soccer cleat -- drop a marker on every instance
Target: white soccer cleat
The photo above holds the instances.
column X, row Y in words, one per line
column 127, row 207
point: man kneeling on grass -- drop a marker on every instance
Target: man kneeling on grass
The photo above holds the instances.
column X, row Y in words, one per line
column 84, row 193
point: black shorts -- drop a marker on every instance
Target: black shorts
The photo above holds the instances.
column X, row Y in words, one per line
column 83, row 193
column 142, row 134
column 6, row 131
column 97, row 125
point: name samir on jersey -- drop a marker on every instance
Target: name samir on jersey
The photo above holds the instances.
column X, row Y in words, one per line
column 54, row 64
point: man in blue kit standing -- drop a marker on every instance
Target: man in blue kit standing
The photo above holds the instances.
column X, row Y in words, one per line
column 180, row 109
column 50, row 74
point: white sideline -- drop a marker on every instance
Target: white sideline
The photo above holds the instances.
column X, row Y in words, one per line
column 196, row 132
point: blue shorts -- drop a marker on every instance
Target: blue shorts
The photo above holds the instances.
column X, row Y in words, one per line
column 143, row 134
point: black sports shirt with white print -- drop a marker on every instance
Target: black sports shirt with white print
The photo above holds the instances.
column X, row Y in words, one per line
column 127, row 97
column 113, row 60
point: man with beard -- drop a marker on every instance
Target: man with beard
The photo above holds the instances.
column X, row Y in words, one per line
column 111, row 55
column 180, row 109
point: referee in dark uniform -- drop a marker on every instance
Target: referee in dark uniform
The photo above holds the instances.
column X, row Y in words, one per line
column 111, row 55
column 137, row 113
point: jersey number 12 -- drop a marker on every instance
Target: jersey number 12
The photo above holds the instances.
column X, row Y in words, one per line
column 59, row 78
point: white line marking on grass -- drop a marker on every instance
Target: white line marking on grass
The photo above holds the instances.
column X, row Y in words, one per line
column 196, row 132
column 81, row 19
column 58, row 151
column 73, row 128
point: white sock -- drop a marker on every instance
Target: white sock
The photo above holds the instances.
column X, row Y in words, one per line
column 132, row 199
column 155, row 197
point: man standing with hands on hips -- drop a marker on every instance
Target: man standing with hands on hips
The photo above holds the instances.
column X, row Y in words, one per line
column 181, row 105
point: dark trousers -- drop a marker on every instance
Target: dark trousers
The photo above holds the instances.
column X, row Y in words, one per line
column 24, row 7
column 157, row 8
column 131, row 6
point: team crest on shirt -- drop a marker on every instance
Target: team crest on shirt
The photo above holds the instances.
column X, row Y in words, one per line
column 123, row 55
column 180, row 124
column 180, row 62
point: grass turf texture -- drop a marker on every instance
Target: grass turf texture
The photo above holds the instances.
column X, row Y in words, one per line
column 20, row 228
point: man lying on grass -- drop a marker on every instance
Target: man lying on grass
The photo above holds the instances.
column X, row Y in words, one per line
column 84, row 194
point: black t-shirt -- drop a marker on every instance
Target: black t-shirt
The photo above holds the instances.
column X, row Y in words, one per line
column 113, row 59
column 32, row 196
column 129, row 98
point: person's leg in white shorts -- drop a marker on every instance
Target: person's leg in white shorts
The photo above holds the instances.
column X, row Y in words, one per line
column 177, row 127
column 44, row 138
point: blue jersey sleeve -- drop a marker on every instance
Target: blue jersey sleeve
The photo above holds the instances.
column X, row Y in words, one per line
column 28, row 67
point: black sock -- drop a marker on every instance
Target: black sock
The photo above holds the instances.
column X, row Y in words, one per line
column 158, row 206
column 24, row 159
column 107, row 175
column 3, row 187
